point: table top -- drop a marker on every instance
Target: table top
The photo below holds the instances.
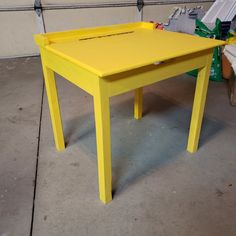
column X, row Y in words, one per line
column 118, row 48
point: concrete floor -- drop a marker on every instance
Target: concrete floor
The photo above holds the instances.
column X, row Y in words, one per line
column 160, row 189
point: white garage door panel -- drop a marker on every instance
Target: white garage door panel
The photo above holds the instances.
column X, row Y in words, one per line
column 83, row 1
column 11, row 3
column 57, row 20
column 162, row 12
column 17, row 29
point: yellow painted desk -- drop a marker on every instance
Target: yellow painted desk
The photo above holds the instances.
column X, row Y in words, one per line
column 107, row 61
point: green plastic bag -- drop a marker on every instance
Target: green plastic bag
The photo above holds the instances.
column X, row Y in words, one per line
column 203, row 31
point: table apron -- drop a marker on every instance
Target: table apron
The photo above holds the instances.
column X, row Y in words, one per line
column 70, row 71
column 123, row 82
column 130, row 80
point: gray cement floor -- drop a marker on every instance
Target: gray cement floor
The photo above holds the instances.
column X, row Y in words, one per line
column 160, row 189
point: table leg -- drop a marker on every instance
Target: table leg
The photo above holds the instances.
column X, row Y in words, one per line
column 138, row 103
column 54, row 108
column 198, row 106
column 102, row 120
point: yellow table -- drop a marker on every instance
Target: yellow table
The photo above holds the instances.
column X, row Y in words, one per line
column 107, row 61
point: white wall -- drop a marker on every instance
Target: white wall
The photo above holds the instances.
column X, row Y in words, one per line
column 56, row 20
column 7, row 3
column 18, row 27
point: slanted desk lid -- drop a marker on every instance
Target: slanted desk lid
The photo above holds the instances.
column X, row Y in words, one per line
column 115, row 51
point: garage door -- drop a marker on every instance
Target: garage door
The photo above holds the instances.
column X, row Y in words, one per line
column 20, row 19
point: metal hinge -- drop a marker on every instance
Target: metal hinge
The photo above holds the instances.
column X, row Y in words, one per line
column 38, row 7
column 140, row 4
column 39, row 16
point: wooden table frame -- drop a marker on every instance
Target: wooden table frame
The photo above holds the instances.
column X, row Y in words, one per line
column 102, row 88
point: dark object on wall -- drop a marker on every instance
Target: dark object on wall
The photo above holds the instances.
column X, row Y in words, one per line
column 140, row 4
